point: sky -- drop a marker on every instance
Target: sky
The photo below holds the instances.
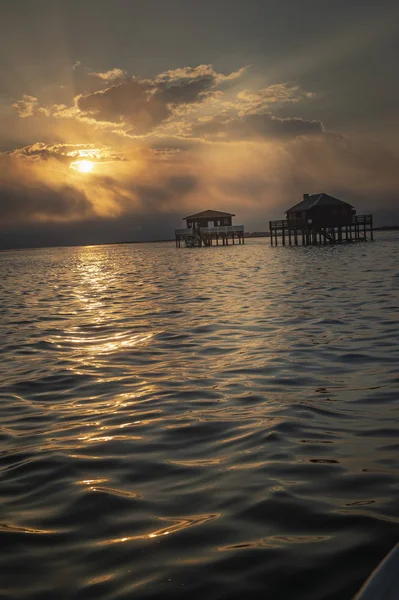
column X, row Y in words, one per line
column 120, row 117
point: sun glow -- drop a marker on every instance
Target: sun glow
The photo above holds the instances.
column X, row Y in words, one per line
column 83, row 166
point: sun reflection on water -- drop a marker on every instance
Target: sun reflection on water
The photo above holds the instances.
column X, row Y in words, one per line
column 177, row 524
column 102, row 344
column 96, row 330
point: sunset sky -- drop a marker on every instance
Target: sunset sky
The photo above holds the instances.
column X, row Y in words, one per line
column 118, row 118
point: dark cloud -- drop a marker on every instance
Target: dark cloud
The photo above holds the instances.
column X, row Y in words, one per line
column 95, row 230
column 129, row 102
column 184, row 92
column 33, row 213
column 254, row 126
column 166, row 194
column 30, row 192
column 22, row 203
column 37, row 192
column 143, row 104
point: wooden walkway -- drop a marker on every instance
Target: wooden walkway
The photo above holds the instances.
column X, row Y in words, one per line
column 304, row 234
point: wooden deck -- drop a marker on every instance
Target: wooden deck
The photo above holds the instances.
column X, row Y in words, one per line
column 206, row 236
column 308, row 234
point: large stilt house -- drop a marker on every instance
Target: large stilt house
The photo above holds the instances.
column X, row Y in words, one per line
column 320, row 210
column 321, row 219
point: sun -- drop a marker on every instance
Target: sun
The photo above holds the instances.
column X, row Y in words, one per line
column 83, row 166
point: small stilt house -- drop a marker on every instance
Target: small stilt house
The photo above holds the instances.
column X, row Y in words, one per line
column 208, row 225
column 209, row 218
column 322, row 219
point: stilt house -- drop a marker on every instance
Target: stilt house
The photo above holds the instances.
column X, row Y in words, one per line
column 209, row 218
column 208, row 225
column 321, row 219
column 320, row 210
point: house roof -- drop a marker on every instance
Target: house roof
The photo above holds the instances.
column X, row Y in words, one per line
column 209, row 214
column 317, row 200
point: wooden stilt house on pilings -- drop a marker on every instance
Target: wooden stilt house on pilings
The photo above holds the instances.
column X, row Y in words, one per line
column 321, row 219
column 208, row 227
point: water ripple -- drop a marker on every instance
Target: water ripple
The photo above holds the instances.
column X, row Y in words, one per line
column 212, row 423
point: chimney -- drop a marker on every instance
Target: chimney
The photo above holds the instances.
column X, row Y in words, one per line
column 306, row 196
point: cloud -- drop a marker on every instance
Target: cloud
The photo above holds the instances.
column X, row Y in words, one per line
column 161, row 106
column 37, row 185
column 188, row 101
column 128, row 103
column 253, row 126
column 26, row 106
column 279, row 93
column 138, row 106
column 164, row 152
column 25, row 196
column 90, row 231
column 198, row 72
column 23, row 203
column 66, row 153
column 143, row 105
column 111, row 75
column 59, row 111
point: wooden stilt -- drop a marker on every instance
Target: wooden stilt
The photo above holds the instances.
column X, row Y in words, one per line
column 359, row 230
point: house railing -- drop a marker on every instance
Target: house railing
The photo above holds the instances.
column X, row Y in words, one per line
column 223, row 230
column 360, row 219
column 307, row 223
column 279, row 224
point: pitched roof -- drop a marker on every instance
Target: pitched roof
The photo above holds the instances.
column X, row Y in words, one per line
column 209, row 214
column 317, row 200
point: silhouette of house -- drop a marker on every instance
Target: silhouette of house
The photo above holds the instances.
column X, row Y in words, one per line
column 209, row 218
column 321, row 219
column 208, row 225
column 320, row 210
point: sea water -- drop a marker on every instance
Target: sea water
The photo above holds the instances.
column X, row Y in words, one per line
column 203, row 423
